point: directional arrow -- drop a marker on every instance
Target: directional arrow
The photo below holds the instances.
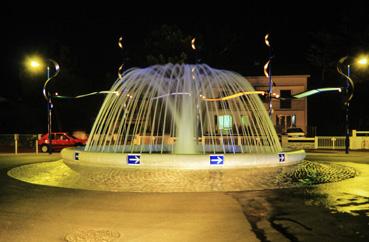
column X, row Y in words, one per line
column 216, row 159
column 134, row 159
column 76, row 155
column 282, row 157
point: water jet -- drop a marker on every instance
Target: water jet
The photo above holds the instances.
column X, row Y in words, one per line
column 179, row 116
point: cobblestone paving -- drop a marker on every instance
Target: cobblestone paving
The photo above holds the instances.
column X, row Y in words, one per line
column 92, row 236
column 309, row 172
column 161, row 180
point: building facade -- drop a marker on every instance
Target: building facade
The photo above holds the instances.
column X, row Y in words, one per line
column 286, row 113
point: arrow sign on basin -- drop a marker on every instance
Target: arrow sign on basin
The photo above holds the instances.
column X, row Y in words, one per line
column 133, row 159
column 216, row 159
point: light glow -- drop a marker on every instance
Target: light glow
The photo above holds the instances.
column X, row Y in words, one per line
column 171, row 94
column 233, row 96
column 266, row 40
column 34, row 64
column 193, row 46
column 120, row 42
column 315, row 91
column 266, row 69
column 362, row 60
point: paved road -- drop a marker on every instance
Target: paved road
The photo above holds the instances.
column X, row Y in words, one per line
column 328, row 212
column 39, row 213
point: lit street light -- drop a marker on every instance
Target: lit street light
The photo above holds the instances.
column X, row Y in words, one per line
column 48, row 96
column 349, row 93
column 36, row 64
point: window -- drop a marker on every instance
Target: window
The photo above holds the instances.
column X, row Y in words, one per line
column 245, row 121
column 58, row 136
column 225, row 122
column 284, row 122
column 294, row 120
column 285, row 104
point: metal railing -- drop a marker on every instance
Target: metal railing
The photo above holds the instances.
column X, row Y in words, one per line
column 329, row 142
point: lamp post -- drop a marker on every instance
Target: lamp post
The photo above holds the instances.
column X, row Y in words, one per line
column 37, row 64
column 349, row 93
column 48, row 98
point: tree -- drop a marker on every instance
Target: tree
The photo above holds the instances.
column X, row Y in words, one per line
column 168, row 44
column 322, row 53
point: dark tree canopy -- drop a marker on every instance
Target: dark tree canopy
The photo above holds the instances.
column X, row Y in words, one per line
column 168, row 44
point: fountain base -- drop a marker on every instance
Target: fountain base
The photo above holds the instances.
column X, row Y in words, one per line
column 74, row 157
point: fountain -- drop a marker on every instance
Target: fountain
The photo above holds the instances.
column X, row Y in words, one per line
column 181, row 116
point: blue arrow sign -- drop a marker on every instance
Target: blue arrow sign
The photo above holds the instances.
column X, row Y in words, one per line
column 216, row 159
column 282, row 157
column 133, row 159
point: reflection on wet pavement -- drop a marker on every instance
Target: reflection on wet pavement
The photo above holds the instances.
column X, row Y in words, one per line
column 349, row 203
column 283, row 215
column 328, row 212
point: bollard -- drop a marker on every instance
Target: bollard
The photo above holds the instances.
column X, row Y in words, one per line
column 36, row 144
column 16, row 137
column 316, row 140
column 284, row 141
column 38, row 137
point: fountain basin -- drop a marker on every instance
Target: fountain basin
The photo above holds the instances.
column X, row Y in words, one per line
column 76, row 159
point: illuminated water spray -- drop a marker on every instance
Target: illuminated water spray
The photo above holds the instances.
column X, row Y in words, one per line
column 182, row 109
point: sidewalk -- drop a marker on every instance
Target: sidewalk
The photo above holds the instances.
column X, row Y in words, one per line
column 338, row 155
column 11, row 159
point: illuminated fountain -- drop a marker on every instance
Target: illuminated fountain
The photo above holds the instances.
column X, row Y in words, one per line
column 180, row 116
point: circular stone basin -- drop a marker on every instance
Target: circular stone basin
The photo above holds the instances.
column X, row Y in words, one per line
column 78, row 159
column 160, row 172
column 140, row 179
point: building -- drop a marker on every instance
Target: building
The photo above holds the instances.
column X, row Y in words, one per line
column 285, row 113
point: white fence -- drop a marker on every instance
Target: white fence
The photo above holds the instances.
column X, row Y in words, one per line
column 328, row 142
column 358, row 141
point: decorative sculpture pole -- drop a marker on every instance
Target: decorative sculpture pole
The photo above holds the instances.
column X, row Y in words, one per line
column 120, row 69
column 349, row 93
column 48, row 98
column 268, row 74
column 196, row 50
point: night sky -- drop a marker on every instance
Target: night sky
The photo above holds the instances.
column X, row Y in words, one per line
column 83, row 40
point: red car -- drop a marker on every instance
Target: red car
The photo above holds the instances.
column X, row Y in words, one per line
column 59, row 140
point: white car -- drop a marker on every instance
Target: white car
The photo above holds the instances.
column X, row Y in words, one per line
column 295, row 132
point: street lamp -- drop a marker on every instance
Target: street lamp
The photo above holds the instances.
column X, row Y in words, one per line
column 36, row 63
column 349, row 93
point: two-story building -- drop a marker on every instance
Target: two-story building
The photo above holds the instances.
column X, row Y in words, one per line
column 286, row 113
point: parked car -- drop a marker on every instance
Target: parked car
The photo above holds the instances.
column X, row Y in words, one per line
column 295, row 132
column 59, row 140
